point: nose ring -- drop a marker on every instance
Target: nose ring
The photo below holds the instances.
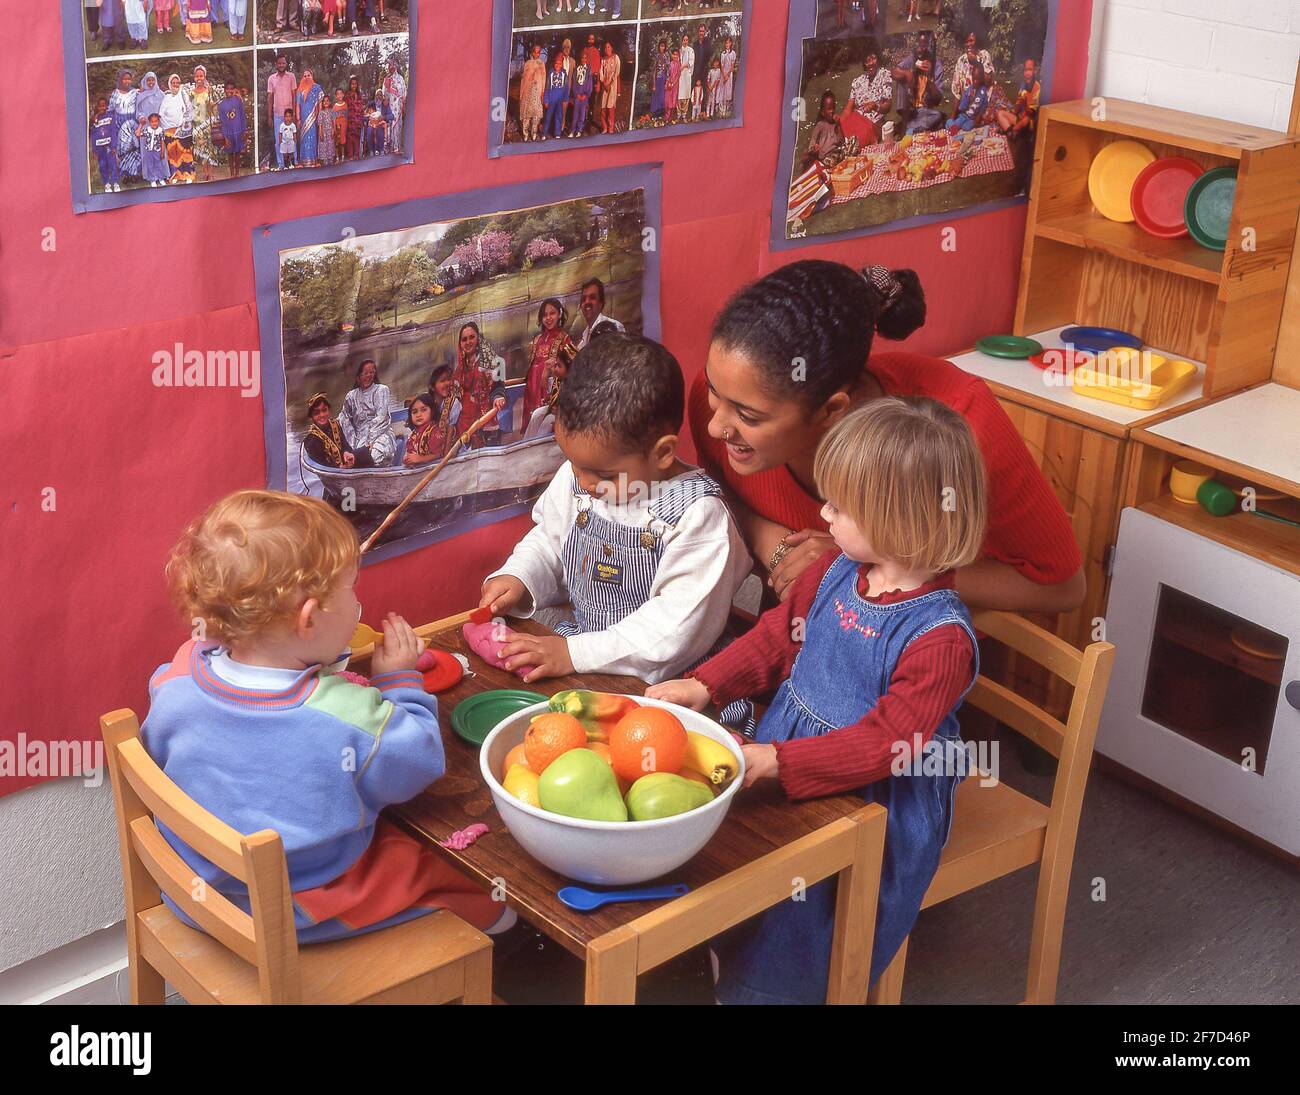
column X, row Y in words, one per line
column 726, row 435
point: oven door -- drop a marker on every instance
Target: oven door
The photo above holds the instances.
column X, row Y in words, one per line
column 1207, row 640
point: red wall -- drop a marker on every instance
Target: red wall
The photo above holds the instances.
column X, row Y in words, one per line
column 88, row 299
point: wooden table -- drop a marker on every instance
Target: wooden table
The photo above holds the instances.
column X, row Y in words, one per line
column 762, row 848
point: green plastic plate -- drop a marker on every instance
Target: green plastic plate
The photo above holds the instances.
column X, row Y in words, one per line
column 473, row 719
column 1008, row 346
column 1208, row 210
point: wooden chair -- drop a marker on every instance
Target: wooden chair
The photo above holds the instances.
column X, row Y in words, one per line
column 997, row 830
column 253, row 959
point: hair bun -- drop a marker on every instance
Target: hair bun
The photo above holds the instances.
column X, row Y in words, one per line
column 902, row 301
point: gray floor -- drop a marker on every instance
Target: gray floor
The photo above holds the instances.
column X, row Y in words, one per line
column 1192, row 914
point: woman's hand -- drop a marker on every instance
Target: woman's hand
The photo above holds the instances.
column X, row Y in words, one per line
column 687, row 692
column 502, row 593
column 349, row 460
column 805, row 547
column 548, row 654
column 760, row 763
column 401, row 647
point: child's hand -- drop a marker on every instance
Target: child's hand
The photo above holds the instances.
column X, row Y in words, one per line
column 548, row 654
column 687, row 692
column 501, row 594
column 760, row 763
column 401, row 647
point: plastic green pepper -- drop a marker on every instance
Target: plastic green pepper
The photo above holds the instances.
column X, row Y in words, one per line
column 664, row 794
column 599, row 712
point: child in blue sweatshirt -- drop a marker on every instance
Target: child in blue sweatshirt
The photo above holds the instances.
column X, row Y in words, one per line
column 256, row 725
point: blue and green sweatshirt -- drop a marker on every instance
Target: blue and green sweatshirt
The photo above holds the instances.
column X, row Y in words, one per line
column 315, row 761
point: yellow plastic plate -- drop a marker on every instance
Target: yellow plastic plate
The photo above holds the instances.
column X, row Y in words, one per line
column 1111, row 177
column 1122, row 376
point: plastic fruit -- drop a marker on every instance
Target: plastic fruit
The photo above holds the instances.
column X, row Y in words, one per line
column 663, row 794
column 602, row 750
column 579, row 784
column 522, row 783
column 515, row 756
column 711, row 759
column 598, row 712
column 548, row 736
column 646, row 740
column 694, row 777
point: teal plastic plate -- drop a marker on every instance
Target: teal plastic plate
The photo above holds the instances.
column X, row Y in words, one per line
column 1208, row 210
column 473, row 719
column 1008, row 346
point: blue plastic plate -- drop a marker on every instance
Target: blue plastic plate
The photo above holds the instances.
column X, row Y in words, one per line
column 1098, row 340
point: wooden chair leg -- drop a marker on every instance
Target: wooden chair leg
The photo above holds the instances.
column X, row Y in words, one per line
column 478, row 977
column 1045, row 952
column 147, row 984
column 888, row 988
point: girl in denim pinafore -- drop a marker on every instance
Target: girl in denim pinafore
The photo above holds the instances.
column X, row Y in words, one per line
column 609, row 568
column 851, row 647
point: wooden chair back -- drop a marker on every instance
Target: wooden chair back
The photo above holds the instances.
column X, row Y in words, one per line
column 143, row 796
column 1070, row 742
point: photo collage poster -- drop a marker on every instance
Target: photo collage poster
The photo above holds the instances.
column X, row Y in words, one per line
column 575, row 72
column 172, row 99
column 387, row 333
column 905, row 112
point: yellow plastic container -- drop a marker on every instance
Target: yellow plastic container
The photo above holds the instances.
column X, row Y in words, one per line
column 1133, row 378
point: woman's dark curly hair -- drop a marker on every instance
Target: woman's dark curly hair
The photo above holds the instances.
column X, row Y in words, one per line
column 823, row 315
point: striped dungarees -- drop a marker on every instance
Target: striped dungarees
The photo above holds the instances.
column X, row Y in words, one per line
column 609, row 568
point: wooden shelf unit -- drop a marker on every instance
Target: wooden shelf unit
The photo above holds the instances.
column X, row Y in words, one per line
column 1221, row 308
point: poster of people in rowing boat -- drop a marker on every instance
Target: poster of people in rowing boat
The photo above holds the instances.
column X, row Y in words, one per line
column 433, row 336
column 171, row 99
column 573, row 72
column 908, row 110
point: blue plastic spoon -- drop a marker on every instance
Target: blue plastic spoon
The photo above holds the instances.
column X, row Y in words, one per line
column 585, row 900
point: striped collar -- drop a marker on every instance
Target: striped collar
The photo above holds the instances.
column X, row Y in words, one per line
column 282, row 699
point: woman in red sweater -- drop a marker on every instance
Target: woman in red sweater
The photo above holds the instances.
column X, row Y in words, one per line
column 790, row 357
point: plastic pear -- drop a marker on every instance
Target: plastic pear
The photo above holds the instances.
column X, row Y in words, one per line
column 580, row 784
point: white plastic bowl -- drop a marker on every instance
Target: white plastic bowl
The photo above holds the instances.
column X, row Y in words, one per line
column 607, row 853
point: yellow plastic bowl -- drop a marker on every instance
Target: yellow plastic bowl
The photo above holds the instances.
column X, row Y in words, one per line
column 1185, row 478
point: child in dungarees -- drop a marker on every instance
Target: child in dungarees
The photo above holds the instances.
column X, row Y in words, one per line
column 868, row 701
column 103, row 139
column 641, row 545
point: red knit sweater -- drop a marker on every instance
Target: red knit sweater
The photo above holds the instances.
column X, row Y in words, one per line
column 924, row 686
column 1028, row 528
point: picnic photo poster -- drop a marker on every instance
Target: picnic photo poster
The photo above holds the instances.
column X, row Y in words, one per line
column 619, row 70
column 389, row 333
column 902, row 111
column 173, row 99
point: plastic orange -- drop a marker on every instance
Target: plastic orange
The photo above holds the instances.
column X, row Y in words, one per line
column 548, row 736
column 515, row 756
column 647, row 740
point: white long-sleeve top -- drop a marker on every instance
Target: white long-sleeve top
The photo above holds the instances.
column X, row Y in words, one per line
column 702, row 563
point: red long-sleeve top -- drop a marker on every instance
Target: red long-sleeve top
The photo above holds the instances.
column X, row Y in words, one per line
column 1028, row 528
column 925, row 685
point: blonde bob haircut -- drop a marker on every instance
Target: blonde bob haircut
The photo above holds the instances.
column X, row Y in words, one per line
column 908, row 473
column 248, row 564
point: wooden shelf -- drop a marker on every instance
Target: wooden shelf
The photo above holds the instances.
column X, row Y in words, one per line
column 1153, row 123
column 1184, row 257
column 1247, row 533
column 1216, row 644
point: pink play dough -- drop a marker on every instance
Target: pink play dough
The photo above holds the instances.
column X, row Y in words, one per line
column 486, row 642
column 463, row 838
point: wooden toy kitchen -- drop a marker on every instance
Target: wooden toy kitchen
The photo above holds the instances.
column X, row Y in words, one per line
column 1160, row 297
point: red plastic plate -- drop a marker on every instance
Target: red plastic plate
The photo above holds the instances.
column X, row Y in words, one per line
column 1061, row 361
column 446, row 672
column 1160, row 193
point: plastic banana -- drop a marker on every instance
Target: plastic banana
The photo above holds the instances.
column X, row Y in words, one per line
column 710, row 758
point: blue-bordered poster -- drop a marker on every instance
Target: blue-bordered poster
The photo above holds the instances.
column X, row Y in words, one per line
column 903, row 113
column 171, row 99
column 604, row 71
column 388, row 332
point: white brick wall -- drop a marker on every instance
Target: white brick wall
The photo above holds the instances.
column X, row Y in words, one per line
column 1232, row 59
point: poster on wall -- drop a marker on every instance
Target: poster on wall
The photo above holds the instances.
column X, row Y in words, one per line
column 905, row 111
column 388, row 333
column 172, row 99
column 589, row 72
